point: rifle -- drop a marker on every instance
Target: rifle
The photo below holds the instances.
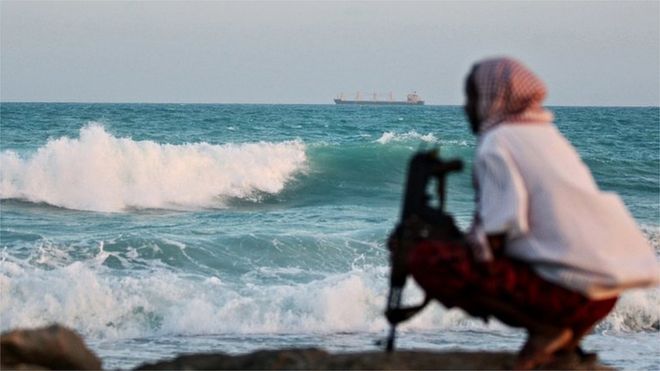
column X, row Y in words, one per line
column 419, row 220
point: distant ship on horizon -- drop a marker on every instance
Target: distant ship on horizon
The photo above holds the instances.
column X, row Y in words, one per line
column 411, row 99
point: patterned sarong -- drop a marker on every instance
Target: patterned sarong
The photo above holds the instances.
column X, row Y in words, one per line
column 448, row 272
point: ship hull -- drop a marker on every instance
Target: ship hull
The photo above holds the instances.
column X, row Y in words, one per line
column 379, row 103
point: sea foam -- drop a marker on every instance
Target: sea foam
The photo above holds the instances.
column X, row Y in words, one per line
column 412, row 135
column 96, row 300
column 100, row 172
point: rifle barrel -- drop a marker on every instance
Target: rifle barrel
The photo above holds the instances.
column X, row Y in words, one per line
column 390, row 339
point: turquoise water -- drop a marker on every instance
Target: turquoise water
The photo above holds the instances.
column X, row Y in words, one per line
column 155, row 229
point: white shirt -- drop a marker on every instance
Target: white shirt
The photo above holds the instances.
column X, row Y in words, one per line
column 534, row 187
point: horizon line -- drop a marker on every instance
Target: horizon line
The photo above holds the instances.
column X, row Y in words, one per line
column 298, row 104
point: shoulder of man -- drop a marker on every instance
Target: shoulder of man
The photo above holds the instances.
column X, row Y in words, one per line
column 492, row 142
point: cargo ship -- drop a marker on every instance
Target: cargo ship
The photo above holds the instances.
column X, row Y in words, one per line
column 411, row 99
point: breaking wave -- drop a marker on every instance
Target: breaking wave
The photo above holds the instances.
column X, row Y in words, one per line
column 390, row 136
column 162, row 301
column 100, row 172
column 652, row 234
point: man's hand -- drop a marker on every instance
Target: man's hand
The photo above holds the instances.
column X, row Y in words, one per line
column 393, row 240
column 497, row 243
column 406, row 234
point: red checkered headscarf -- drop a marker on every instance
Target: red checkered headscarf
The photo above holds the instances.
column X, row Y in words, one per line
column 508, row 92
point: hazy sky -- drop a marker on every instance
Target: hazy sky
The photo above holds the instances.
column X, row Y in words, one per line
column 589, row 53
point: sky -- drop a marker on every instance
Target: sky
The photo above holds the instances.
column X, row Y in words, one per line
column 587, row 52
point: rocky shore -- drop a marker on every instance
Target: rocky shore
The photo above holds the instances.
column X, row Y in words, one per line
column 316, row 359
column 56, row 347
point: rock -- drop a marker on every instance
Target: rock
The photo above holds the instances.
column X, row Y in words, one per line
column 312, row 358
column 54, row 348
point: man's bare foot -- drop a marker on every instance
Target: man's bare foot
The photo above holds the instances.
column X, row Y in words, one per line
column 583, row 356
column 540, row 347
column 573, row 346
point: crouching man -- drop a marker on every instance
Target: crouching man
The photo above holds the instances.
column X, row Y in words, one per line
column 547, row 251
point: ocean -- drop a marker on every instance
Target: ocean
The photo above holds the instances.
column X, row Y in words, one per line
column 159, row 229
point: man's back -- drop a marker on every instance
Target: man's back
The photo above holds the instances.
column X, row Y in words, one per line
column 535, row 188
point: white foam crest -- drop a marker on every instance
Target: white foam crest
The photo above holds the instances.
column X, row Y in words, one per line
column 652, row 234
column 390, row 136
column 101, row 303
column 636, row 310
column 104, row 303
column 100, row 172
